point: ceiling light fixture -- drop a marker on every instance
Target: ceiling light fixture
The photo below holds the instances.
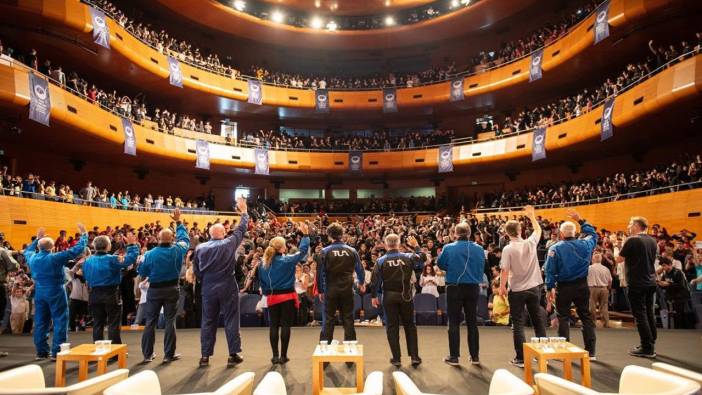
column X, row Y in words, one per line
column 331, row 26
column 277, row 16
column 240, row 5
column 389, row 21
column 454, row 3
column 316, row 22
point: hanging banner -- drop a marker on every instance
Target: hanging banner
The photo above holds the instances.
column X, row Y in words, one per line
column 602, row 22
column 39, row 100
column 261, row 160
column 176, row 75
column 322, row 100
column 202, row 149
column 538, row 146
column 606, row 127
column 535, row 65
column 101, row 32
column 456, row 93
column 389, row 100
column 445, row 158
column 355, row 161
column 129, row 137
column 255, row 92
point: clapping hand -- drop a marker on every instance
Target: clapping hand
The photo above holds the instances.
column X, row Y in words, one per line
column 176, row 215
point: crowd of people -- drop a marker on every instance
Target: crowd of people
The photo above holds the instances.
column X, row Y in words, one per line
column 686, row 170
column 36, row 187
column 187, row 52
column 370, row 205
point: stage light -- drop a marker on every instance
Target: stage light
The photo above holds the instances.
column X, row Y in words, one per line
column 387, row 3
column 316, row 22
column 389, row 21
column 277, row 16
column 240, row 5
column 465, row 2
column 318, row 3
column 454, row 3
column 331, row 26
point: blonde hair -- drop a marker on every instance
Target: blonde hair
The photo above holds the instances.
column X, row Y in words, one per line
column 276, row 244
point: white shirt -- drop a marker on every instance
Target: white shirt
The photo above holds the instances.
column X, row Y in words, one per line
column 520, row 259
column 598, row 276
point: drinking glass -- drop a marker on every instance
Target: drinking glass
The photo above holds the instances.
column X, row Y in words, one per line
column 65, row 347
column 323, row 346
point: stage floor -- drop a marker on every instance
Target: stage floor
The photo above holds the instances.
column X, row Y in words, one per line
column 678, row 347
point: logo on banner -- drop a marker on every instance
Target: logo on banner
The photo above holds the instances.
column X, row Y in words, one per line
column 176, row 76
column 389, row 100
column 203, row 154
column 101, row 32
column 456, row 90
column 255, row 94
column 322, row 100
column 129, row 137
column 39, row 100
column 445, row 159
column 602, row 22
column 355, row 161
column 535, row 71
column 261, row 158
column 606, row 127
column 538, row 150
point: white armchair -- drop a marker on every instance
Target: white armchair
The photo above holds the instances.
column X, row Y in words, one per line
column 374, row 384
column 147, row 383
column 404, row 385
column 30, row 379
column 552, row 385
column 272, row 384
column 505, row 383
column 676, row 371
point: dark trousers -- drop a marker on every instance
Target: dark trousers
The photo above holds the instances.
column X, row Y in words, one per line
column 463, row 298
column 680, row 314
column 166, row 297
column 518, row 301
column 398, row 310
column 221, row 297
column 3, row 304
column 342, row 299
column 578, row 293
column 106, row 308
column 76, row 310
column 641, row 302
column 282, row 316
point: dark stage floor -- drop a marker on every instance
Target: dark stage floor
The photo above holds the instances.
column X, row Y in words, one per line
column 682, row 348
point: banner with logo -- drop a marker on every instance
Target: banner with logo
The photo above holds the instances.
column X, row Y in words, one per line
column 538, row 146
column 39, row 100
column 255, row 92
column 606, row 127
column 202, row 151
column 129, row 137
column 261, row 161
column 176, row 75
column 602, row 22
column 389, row 100
column 321, row 100
column 456, row 93
column 101, row 32
column 355, row 161
column 535, row 65
column 445, row 158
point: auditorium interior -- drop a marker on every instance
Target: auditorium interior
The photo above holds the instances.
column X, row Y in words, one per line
column 398, row 175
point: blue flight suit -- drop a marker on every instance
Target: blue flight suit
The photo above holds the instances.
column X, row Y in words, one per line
column 50, row 300
column 214, row 264
column 103, row 273
column 162, row 266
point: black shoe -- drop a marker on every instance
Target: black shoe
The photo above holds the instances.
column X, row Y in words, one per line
column 641, row 353
column 395, row 362
column 275, row 360
column 52, row 358
column 517, row 362
column 149, row 359
column 283, row 360
column 475, row 361
column 41, row 357
column 175, row 357
column 204, row 361
column 416, row 361
column 234, row 360
column 453, row 361
column 3, row 354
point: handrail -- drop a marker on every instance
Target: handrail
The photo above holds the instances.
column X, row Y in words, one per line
column 629, row 195
column 400, row 213
column 244, row 77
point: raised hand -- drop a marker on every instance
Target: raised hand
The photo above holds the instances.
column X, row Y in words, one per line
column 176, row 215
column 81, row 228
column 304, row 228
column 241, row 204
column 131, row 238
column 412, row 242
column 574, row 215
column 529, row 210
column 40, row 233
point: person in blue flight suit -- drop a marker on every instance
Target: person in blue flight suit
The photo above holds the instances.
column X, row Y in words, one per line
column 103, row 273
column 566, row 268
column 50, row 300
column 464, row 264
column 162, row 266
column 276, row 275
column 339, row 262
column 392, row 275
column 214, row 264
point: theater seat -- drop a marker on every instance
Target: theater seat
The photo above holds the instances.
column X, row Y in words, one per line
column 357, row 306
column 505, row 383
column 147, row 383
column 369, row 312
column 272, row 384
column 29, row 379
column 405, row 386
column 676, row 371
column 425, row 307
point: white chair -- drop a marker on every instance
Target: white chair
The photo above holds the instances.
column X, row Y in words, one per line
column 374, row 384
column 405, row 386
column 552, row 385
column 30, row 379
column 147, row 383
column 505, row 383
column 272, row 384
column 676, row 371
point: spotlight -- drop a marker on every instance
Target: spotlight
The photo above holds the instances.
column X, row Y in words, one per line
column 465, row 2
column 239, row 5
column 389, row 21
column 316, row 22
column 454, row 3
column 277, row 16
column 331, row 26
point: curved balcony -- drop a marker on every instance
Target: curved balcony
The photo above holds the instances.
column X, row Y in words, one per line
column 674, row 85
column 76, row 15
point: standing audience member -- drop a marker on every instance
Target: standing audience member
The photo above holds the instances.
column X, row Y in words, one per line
column 599, row 280
column 20, row 311
column 677, row 292
column 78, row 305
column 428, row 281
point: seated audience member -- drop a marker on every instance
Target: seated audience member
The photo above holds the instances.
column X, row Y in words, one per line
column 499, row 307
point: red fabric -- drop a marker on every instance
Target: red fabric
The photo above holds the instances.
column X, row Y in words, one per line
column 280, row 298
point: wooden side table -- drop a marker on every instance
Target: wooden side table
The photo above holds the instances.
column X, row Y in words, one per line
column 567, row 354
column 336, row 355
column 84, row 354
